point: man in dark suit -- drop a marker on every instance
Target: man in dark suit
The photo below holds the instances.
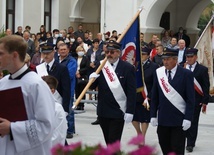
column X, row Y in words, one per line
column 60, row 72
column 173, row 101
column 202, row 86
column 116, row 93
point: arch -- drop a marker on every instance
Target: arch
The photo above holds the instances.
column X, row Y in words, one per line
column 76, row 10
column 192, row 20
column 151, row 15
column 79, row 10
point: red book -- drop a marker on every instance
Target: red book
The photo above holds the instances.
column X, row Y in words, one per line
column 12, row 106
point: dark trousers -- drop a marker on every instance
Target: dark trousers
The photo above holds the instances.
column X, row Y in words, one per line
column 112, row 129
column 192, row 132
column 171, row 139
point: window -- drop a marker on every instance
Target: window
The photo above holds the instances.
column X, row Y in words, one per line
column 10, row 14
column 47, row 15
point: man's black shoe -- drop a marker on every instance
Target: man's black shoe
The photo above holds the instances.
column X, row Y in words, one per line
column 69, row 135
column 95, row 122
column 189, row 148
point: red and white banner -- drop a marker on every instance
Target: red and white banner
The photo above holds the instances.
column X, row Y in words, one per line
column 205, row 46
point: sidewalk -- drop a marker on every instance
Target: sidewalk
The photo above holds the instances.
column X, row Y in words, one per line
column 91, row 134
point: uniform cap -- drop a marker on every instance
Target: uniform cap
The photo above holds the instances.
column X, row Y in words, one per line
column 169, row 52
column 191, row 51
column 46, row 48
column 112, row 45
column 146, row 50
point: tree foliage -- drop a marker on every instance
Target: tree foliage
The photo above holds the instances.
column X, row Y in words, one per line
column 205, row 17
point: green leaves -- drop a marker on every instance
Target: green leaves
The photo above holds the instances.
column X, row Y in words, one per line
column 2, row 32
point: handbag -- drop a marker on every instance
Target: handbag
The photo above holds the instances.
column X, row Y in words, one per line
column 82, row 80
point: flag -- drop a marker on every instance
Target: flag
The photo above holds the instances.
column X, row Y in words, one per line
column 205, row 46
column 131, row 51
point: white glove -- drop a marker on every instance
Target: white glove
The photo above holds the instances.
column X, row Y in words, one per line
column 128, row 117
column 94, row 75
column 154, row 121
column 186, row 124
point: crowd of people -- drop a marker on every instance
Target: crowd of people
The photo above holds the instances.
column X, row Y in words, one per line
column 67, row 59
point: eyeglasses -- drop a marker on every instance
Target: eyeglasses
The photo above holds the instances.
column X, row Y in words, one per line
column 111, row 52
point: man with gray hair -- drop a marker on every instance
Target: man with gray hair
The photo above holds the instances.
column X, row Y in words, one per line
column 30, row 43
column 172, row 103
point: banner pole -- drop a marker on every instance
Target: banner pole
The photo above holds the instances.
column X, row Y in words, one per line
column 129, row 25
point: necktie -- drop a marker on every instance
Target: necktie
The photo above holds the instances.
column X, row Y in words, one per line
column 190, row 67
column 113, row 66
column 48, row 68
column 169, row 76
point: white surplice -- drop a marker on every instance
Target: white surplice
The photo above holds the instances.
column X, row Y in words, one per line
column 33, row 136
column 60, row 129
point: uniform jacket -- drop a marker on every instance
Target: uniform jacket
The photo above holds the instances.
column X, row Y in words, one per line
column 60, row 72
column 168, row 114
column 149, row 69
column 107, row 105
column 201, row 75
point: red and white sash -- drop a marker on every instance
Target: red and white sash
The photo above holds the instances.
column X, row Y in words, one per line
column 170, row 93
column 198, row 88
column 114, row 85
